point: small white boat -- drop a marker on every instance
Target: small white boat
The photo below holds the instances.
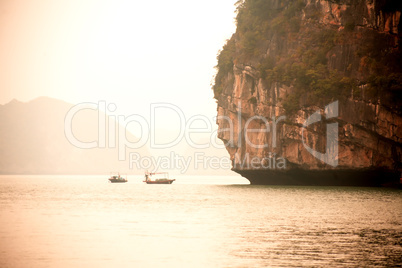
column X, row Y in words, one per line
column 158, row 178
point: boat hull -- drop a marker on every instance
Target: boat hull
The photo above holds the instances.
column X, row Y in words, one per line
column 117, row 181
column 160, row 182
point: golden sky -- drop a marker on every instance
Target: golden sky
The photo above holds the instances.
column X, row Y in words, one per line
column 131, row 53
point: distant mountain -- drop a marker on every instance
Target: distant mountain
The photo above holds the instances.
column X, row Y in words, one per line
column 33, row 140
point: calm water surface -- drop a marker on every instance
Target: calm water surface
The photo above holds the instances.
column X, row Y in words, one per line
column 75, row 221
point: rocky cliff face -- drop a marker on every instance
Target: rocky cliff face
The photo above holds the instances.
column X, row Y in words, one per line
column 289, row 60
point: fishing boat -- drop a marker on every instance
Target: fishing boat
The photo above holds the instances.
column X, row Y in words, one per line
column 117, row 178
column 158, row 178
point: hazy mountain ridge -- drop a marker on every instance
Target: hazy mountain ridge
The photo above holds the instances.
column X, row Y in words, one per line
column 33, row 141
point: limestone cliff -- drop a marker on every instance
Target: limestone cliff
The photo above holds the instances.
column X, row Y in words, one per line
column 289, row 59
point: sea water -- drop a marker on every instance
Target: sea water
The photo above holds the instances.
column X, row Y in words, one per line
column 84, row 221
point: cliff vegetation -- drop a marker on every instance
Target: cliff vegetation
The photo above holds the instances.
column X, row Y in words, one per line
column 295, row 43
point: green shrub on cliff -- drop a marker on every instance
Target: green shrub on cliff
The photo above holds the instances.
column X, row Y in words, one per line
column 253, row 100
column 225, row 64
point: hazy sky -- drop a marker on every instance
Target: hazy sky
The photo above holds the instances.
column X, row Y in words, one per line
column 131, row 53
